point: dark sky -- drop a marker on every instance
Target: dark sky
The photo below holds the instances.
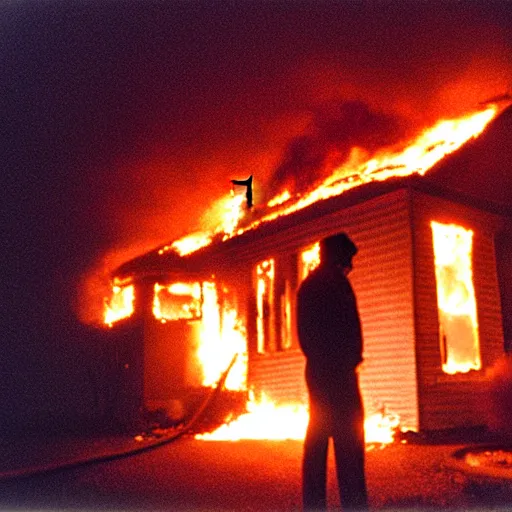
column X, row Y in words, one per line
column 123, row 121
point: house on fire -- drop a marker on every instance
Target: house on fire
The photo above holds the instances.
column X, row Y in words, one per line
column 432, row 278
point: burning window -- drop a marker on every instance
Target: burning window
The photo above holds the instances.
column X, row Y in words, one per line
column 264, row 302
column 309, row 260
column 218, row 332
column 120, row 304
column 177, row 301
column 458, row 324
column 286, row 318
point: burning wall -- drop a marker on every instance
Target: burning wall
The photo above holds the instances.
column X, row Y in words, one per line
column 123, row 128
column 418, row 157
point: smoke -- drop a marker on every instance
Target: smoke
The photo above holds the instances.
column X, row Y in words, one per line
column 128, row 120
column 335, row 129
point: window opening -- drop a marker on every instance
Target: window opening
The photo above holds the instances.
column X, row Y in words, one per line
column 120, row 305
column 458, row 323
column 309, row 260
column 286, row 318
column 177, row 301
column 265, row 273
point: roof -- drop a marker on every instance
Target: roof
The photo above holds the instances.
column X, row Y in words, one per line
column 478, row 173
column 482, row 168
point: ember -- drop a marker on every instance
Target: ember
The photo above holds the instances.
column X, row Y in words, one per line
column 499, row 458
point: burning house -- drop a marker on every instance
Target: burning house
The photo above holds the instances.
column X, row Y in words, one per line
column 433, row 223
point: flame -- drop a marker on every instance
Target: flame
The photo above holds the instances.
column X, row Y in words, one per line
column 221, row 333
column 266, row 420
column 263, row 420
column 265, row 272
column 418, row 157
column 233, row 213
column 177, row 301
column 222, row 336
column 456, row 298
column 120, row 305
column 279, row 199
column 309, row 260
column 189, row 243
column 380, row 427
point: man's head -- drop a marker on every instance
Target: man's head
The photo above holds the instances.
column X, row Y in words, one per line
column 338, row 250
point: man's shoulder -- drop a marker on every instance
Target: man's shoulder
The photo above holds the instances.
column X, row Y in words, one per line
column 319, row 277
column 315, row 276
column 324, row 279
column 326, row 273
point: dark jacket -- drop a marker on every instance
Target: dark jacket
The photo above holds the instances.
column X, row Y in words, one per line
column 328, row 322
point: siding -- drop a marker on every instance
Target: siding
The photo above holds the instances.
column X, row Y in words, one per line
column 382, row 281
column 448, row 401
column 280, row 376
column 504, row 263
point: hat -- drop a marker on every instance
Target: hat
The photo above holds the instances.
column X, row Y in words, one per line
column 338, row 247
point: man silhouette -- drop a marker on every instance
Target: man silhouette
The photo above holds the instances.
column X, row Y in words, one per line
column 329, row 332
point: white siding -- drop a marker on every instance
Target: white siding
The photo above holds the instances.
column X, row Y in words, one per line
column 449, row 401
column 382, row 281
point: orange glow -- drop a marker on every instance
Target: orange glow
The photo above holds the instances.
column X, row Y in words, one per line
column 178, row 301
column 189, row 243
column 309, row 260
column 120, row 304
column 416, row 157
column 233, row 212
column 458, row 323
column 222, row 336
column 279, row 199
column 266, row 420
column 264, row 298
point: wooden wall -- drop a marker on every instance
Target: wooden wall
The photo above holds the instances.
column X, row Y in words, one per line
column 448, row 401
column 382, row 280
column 394, row 282
column 504, row 262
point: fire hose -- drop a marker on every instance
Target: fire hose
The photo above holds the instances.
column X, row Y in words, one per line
column 209, row 399
column 187, row 427
column 26, row 472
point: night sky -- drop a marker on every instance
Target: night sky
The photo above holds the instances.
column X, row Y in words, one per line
column 122, row 122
